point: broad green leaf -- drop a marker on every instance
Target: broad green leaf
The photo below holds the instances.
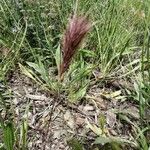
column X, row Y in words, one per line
column 29, row 73
column 74, row 96
column 9, row 138
column 40, row 69
column 35, row 67
column 26, row 71
column 115, row 94
column 103, row 140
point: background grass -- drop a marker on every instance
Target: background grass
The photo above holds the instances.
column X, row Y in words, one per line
column 117, row 47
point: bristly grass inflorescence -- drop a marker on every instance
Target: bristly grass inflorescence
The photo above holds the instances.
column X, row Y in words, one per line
column 77, row 29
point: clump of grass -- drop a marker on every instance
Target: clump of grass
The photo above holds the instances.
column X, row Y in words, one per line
column 30, row 30
column 77, row 28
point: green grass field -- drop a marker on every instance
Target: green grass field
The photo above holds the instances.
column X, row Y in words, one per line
column 115, row 51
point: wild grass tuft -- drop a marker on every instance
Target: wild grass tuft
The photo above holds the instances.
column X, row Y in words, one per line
column 74, row 34
column 117, row 48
